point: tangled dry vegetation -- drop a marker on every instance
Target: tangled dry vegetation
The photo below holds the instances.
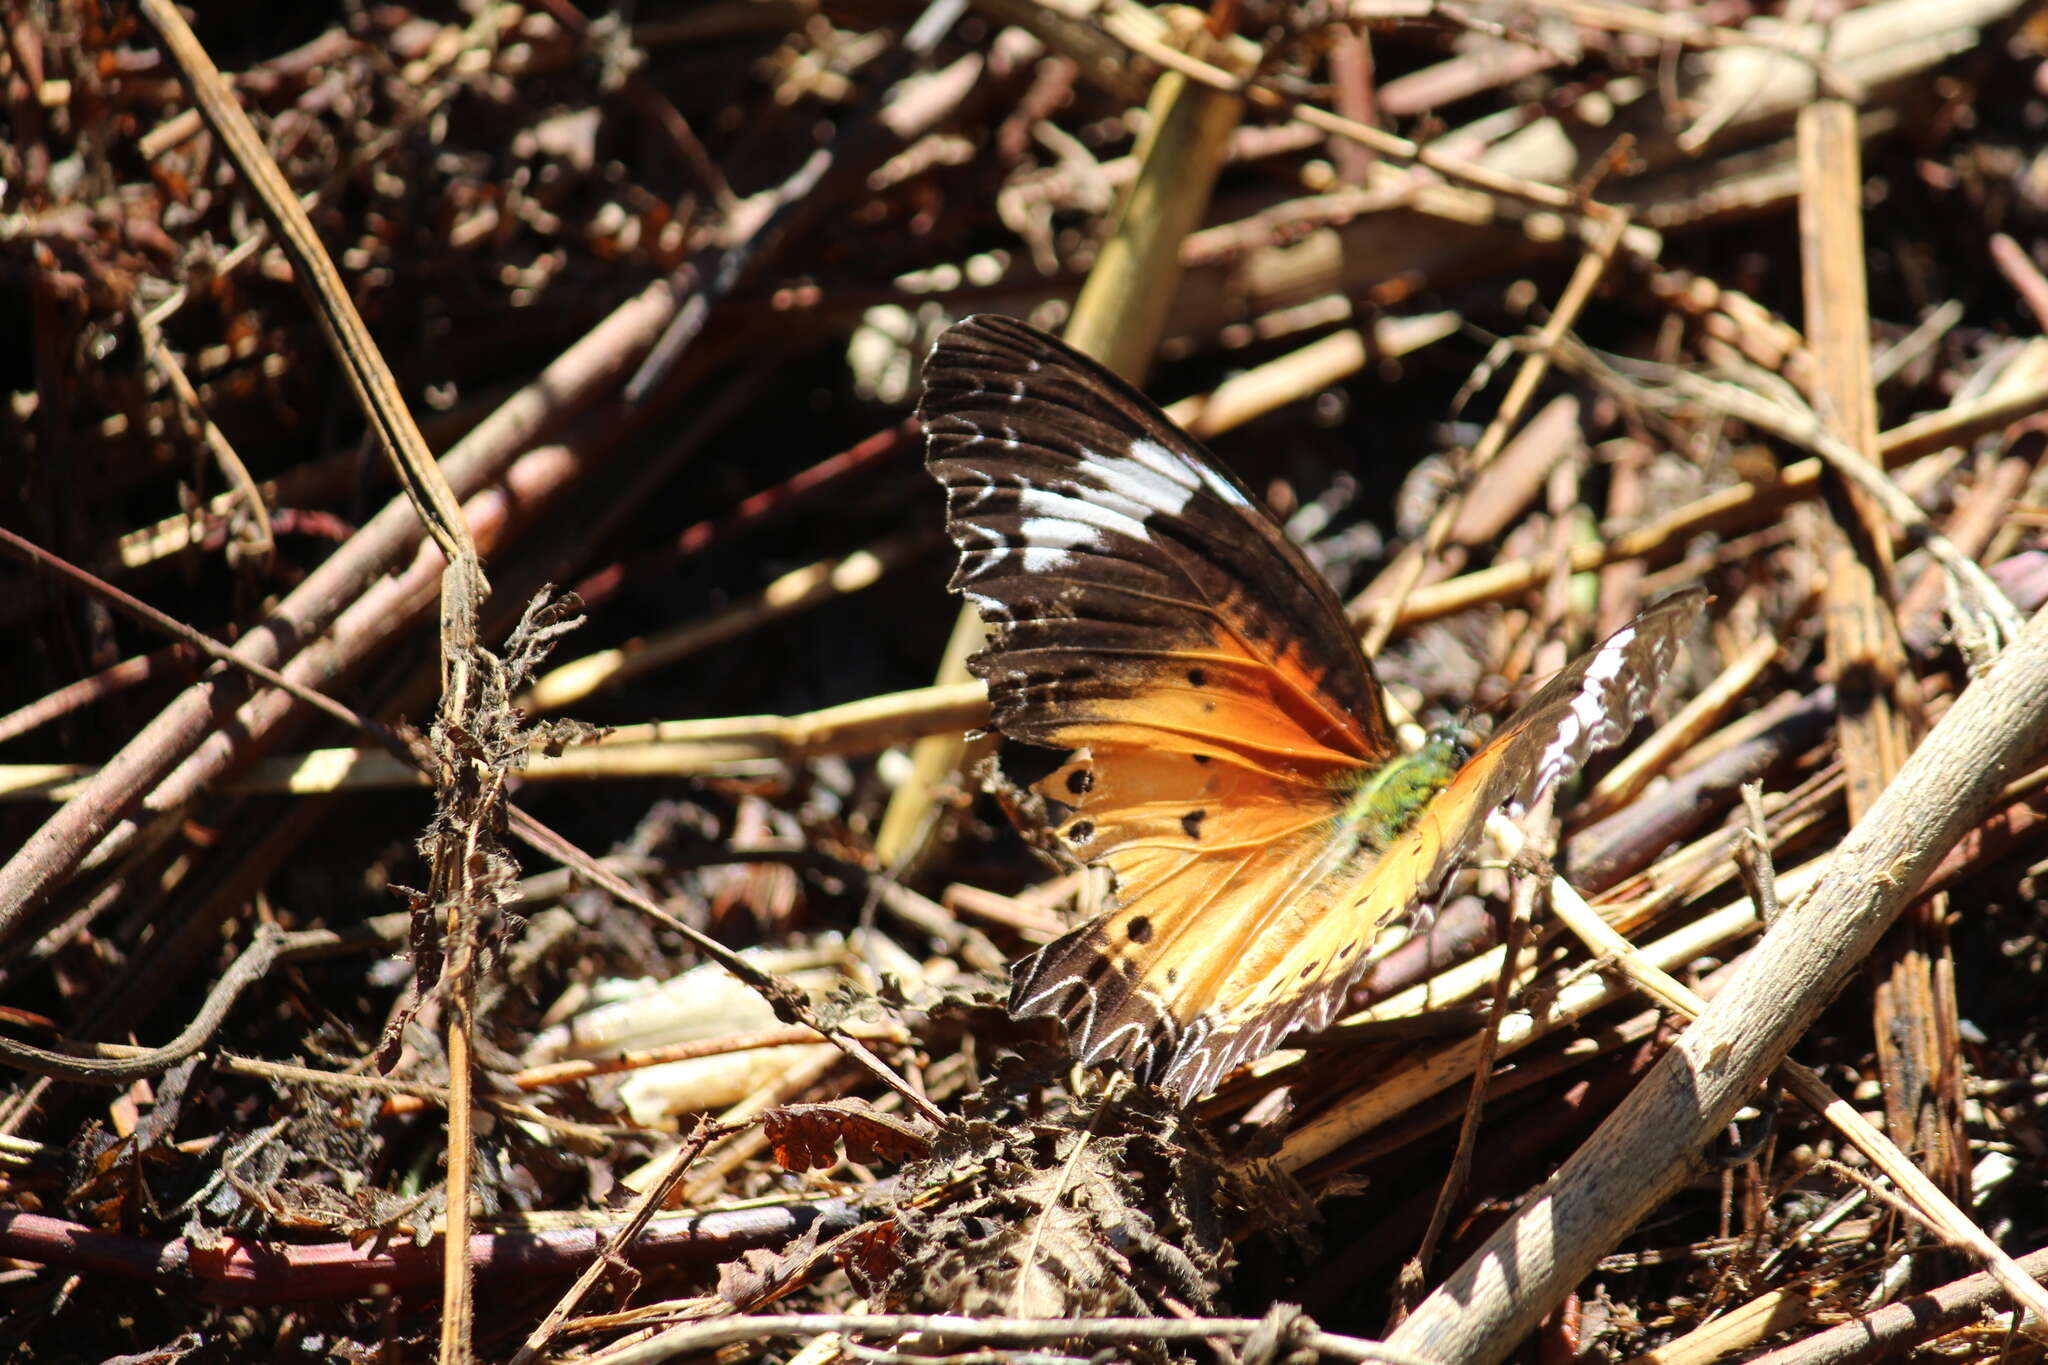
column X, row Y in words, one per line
column 660, row 924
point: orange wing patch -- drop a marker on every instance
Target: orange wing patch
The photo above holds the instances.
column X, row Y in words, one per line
column 1239, row 914
column 1212, row 805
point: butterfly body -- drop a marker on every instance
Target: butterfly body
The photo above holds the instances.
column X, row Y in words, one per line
column 1228, row 756
column 1385, row 801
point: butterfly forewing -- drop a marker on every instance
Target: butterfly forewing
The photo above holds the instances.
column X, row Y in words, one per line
column 1148, row 616
column 1134, row 587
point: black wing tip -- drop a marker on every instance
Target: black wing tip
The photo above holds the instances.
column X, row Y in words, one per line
column 998, row 326
column 979, row 336
column 1687, row 601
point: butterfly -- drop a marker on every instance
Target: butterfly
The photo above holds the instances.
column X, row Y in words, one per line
column 1226, row 751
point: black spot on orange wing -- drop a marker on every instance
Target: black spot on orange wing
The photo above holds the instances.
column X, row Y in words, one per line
column 1080, row 781
column 1081, row 831
column 1140, row 930
column 1191, row 823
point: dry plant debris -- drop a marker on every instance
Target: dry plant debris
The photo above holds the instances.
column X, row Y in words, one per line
column 1615, row 299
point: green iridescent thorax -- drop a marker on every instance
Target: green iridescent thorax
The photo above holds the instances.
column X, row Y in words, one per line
column 1387, row 800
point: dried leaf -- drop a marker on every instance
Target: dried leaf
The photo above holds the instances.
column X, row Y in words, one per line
column 1062, row 1214
column 806, row 1137
column 759, row 1278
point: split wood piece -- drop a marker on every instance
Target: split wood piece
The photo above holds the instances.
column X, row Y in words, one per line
column 1649, row 1147
column 1117, row 319
column 733, row 1151
column 552, row 1074
column 788, row 1002
column 1879, row 716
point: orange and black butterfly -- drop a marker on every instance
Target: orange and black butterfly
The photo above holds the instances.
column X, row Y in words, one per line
column 1228, row 757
